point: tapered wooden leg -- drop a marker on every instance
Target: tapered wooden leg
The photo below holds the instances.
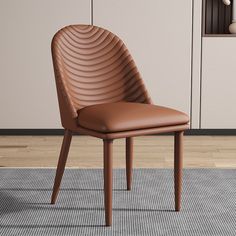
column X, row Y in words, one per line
column 107, row 146
column 178, row 165
column 129, row 161
column 61, row 164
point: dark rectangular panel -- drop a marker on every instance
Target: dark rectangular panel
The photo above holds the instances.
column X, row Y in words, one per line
column 217, row 17
column 221, row 19
column 208, row 18
column 215, row 7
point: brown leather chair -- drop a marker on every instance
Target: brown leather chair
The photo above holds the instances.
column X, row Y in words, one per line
column 101, row 94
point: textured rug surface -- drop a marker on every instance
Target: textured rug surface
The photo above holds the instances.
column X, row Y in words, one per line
column 208, row 203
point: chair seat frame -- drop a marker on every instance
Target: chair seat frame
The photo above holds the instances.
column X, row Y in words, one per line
column 108, row 158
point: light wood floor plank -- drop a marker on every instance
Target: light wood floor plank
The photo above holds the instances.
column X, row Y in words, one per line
column 86, row 152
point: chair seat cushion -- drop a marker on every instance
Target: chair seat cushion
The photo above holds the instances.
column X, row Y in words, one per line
column 124, row 116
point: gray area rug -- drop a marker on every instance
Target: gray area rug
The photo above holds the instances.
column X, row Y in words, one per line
column 208, row 206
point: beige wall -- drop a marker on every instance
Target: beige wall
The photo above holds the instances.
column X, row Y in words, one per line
column 162, row 52
column 27, row 91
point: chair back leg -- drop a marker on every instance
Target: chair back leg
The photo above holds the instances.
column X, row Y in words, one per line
column 61, row 164
column 107, row 153
column 178, row 165
column 129, row 161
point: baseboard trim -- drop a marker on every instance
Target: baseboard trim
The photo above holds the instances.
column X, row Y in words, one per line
column 31, row 131
column 226, row 132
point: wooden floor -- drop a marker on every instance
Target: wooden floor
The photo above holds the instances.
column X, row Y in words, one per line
column 86, row 152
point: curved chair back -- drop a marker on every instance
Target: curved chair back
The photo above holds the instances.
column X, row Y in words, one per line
column 93, row 66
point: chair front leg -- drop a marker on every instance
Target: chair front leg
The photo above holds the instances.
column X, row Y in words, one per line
column 107, row 153
column 61, row 164
column 129, row 161
column 178, row 165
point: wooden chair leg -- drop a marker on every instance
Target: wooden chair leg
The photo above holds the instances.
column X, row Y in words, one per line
column 178, row 165
column 61, row 164
column 129, row 161
column 107, row 148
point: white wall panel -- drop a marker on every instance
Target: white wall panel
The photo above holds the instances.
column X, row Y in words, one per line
column 218, row 83
column 27, row 90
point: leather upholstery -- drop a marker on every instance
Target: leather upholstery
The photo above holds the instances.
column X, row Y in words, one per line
column 123, row 116
column 93, row 66
column 97, row 78
column 101, row 93
column 132, row 133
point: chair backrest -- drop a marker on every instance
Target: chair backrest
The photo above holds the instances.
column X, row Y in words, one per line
column 93, row 66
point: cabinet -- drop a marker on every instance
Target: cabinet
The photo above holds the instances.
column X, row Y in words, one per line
column 218, row 67
column 27, row 92
column 158, row 35
column 218, row 83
